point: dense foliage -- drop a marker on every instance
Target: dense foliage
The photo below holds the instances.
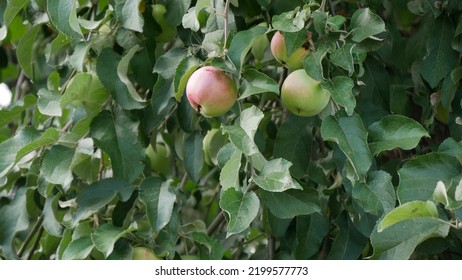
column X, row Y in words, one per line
column 102, row 156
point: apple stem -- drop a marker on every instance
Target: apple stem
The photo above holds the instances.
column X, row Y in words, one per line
column 323, row 5
column 226, row 26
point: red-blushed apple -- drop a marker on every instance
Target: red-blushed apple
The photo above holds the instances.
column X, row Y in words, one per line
column 210, row 91
column 279, row 51
column 302, row 95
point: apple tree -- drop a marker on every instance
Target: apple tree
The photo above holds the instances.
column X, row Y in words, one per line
column 227, row 129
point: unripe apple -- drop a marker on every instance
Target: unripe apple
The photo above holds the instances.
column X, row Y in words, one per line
column 213, row 141
column 211, row 92
column 143, row 253
column 279, row 51
column 168, row 31
column 159, row 158
column 302, row 95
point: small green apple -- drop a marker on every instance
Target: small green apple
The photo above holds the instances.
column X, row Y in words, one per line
column 213, row 141
column 143, row 253
column 279, row 51
column 159, row 158
column 168, row 31
column 211, row 92
column 302, row 95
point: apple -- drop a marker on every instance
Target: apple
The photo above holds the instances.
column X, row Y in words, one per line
column 159, row 158
column 213, row 141
column 211, row 92
column 302, row 95
column 168, row 31
column 279, row 51
column 143, row 253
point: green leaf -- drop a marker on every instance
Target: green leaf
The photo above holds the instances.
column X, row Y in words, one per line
column 440, row 58
column 194, row 155
column 241, row 209
column 242, row 133
column 14, row 111
column 106, row 68
column 48, row 103
column 340, row 88
column 11, row 147
column 365, row 24
column 122, row 71
column 25, row 51
column 51, row 222
column 167, row 64
column 229, row 175
column 291, row 203
column 214, row 247
column 275, row 176
column 241, row 44
column 320, row 21
column 78, row 249
column 440, row 194
column 419, row 176
column 400, row 240
column 256, row 82
column 395, row 131
column 94, row 197
column 116, row 133
column 175, row 10
column 311, row 231
column 56, row 165
column 130, row 15
column 185, row 69
column 13, row 219
column 159, row 199
column 377, row 195
column 343, row 57
column 409, row 210
column 293, row 142
column 85, row 89
column 313, row 63
column 351, row 136
column 79, row 55
column 13, row 7
column 105, row 236
column 291, row 21
column 349, row 243
column 63, row 16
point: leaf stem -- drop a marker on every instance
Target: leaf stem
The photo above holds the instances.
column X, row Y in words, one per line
column 29, row 237
column 225, row 50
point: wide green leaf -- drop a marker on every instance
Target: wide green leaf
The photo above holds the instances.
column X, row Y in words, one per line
column 311, row 231
column 351, row 136
column 13, row 7
column 241, row 209
column 395, row 131
column 291, row 21
column 229, row 175
column 340, row 88
column 291, row 203
column 406, row 211
column 400, row 240
column 242, row 133
column 130, row 15
column 377, row 195
column 56, row 165
column 241, row 44
column 15, row 109
column 105, row 236
column 159, row 199
column 365, row 24
column 275, row 176
column 440, row 58
column 419, row 176
column 343, row 57
column 78, row 249
column 63, row 16
column 25, row 51
column 96, row 196
column 116, row 133
column 256, row 82
column 48, row 103
column 13, row 219
column 166, row 65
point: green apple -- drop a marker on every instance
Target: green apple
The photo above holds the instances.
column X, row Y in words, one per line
column 211, row 92
column 279, row 51
column 168, row 32
column 143, row 253
column 302, row 95
column 159, row 158
column 213, row 141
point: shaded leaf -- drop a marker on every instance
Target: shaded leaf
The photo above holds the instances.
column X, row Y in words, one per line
column 229, row 175
column 25, row 51
column 365, row 24
column 105, row 236
column 78, row 249
column 62, row 14
column 48, row 103
column 291, row 203
column 349, row 243
column 193, row 155
column 340, row 88
column 241, row 44
column 56, row 165
column 241, row 209
column 256, row 82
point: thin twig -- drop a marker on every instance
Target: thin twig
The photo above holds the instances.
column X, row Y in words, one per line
column 17, row 88
column 331, row 8
column 183, row 182
column 323, row 5
column 271, row 246
column 36, row 244
column 226, row 25
column 36, row 227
